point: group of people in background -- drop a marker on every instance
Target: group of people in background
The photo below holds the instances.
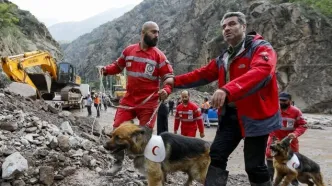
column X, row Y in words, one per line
column 97, row 100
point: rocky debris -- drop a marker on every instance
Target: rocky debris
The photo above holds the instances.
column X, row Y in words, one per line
column 318, row 121
column 195, row 96
column 23, row 89
column 40, row 147
column 14, row 165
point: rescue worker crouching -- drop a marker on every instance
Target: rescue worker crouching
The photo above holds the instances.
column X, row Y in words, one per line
column 293, row 125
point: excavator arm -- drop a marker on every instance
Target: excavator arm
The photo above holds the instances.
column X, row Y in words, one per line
column 16, row 69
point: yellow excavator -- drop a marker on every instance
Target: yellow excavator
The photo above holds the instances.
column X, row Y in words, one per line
column 40, row 70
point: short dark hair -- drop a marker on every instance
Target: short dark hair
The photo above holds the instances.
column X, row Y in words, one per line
column 206, row 99
column 241, row 17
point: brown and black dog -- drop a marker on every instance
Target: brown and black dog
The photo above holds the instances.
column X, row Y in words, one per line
column 307, row 172
column 190, row 155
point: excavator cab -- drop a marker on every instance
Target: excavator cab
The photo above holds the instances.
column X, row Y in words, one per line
column 66, row 73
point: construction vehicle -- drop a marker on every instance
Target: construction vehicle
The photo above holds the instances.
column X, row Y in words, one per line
column 119, row 88
column 53, row 81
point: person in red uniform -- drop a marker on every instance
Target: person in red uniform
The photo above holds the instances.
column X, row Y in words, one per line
column 146, row 66
column 246, row 98
column 293, row 125
column 189, row 115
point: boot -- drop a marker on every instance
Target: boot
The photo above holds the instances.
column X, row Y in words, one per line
column 268, row 183
column 119, row 157
column 216, row 177
column 270, row 168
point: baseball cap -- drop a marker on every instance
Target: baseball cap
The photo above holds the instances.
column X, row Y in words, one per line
column 284, row 96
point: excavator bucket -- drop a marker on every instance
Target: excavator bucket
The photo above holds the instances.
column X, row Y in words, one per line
column 42, row 81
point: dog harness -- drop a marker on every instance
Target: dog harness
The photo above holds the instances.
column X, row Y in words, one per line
column 155, row 149
column 293, row 163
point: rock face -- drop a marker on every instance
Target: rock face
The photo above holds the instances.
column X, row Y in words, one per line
column 190, row 35
column 27, row 34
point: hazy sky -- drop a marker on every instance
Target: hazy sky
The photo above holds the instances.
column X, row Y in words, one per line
column 53, row 11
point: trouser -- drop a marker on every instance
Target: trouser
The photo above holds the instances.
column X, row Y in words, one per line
column 105, row 106
column 170, row 111
column 98, row 109
column 227, row 138
column 206, row 119
column 188, row 132
column 123, row 115
column 162, row 124
column 88, row 107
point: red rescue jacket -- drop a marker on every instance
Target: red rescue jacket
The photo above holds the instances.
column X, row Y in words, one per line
column 252, row 86
column 144, row 70
column 190, row 118
column 292, row 122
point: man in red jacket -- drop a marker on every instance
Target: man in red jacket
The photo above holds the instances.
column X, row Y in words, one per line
column 146, row 65
column 189, row 115
column 293, row 125
column 247, row 99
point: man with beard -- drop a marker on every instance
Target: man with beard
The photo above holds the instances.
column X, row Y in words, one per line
column 189, row 115
column 246, row 99
column 146, row 65
column 293, row 125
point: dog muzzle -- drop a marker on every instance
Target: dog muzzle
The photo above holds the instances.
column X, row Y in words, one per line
column 155, row 149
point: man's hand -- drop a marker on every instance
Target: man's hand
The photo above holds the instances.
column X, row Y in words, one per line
column 202, row 135
column 162, row 94
column 175, row 132
column 292, row 135
column 169, row 81
column 218, row 98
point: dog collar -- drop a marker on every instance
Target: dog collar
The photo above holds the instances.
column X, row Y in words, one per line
column 155, row 149
column 293, row 163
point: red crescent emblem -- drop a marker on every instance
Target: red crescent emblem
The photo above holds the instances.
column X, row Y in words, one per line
column 153, row 149
column 293, row 165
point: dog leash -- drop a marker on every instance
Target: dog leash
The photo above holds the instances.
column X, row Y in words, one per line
column 154, row 113
column 142, row 103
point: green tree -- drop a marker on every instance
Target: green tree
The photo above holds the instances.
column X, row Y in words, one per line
column 7, row 16
column 325, row 6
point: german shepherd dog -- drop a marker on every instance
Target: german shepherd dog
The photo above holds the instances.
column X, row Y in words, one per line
column 190, row 155
column 307, row 172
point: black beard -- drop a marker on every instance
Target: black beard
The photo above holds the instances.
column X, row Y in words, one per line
column 284, row 106
column 150, row 42
column 185, row 101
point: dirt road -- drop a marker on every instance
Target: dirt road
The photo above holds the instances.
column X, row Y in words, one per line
column 316, row 144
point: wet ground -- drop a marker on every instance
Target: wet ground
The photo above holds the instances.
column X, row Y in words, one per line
column 315, row 144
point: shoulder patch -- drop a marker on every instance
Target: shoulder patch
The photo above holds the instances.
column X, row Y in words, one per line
column 264, row 55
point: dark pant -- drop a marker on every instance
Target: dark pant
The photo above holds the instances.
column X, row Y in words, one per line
column 98, row 107
column 227, row 138
column 89, row 110
column 170, row 111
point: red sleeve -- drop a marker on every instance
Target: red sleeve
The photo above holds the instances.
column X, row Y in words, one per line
column 300, row 124
column 262, row 69
column 165, row 71
column 198, row 77
column 177, row 119
column 199, row 119
column 117, row 66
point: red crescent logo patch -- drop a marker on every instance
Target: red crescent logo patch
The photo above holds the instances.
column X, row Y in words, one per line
column 293, row 165
column 153, row 149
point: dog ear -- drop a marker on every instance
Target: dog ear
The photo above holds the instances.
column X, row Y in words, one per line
column 286, row 142
column 136, row 134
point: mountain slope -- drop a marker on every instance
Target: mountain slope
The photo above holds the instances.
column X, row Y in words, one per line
column 23, row 33
column 68, row 31
column 190, row 34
